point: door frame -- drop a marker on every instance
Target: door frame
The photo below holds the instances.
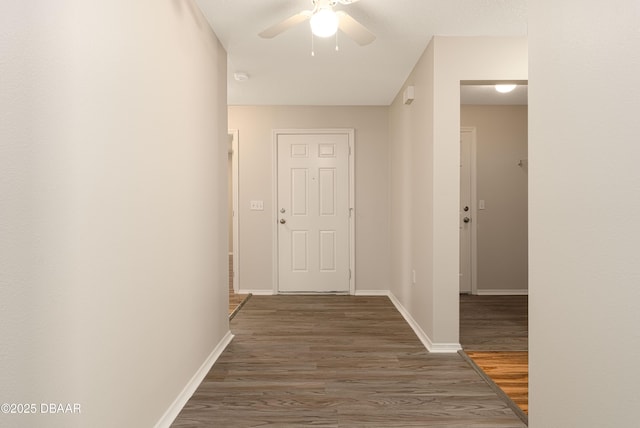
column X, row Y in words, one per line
column 235, row 182
column 474, row 209
column 350, row 132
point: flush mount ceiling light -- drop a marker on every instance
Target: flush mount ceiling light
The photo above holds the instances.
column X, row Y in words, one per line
column 324, row 23
column 505, row 88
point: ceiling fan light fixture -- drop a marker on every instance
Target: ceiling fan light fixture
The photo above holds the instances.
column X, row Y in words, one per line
column 505, row 88
column 324, row 23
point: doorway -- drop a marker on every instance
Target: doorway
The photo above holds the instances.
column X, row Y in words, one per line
column 494, row 317
column 494, row 189
column 314, row 219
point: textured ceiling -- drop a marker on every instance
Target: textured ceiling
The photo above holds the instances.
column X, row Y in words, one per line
column 283, row 72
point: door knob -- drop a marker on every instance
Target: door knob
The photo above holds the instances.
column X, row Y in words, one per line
column 466, row 220
column 282, row 221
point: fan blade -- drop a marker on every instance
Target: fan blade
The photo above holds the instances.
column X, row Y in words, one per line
column 354, row 29
column 281, row 27
column 347, row 1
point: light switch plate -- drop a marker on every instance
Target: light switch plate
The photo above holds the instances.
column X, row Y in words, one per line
column 256, row 205
column 481, row 204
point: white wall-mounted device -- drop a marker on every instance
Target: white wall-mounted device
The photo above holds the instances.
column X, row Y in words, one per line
column 408, row 95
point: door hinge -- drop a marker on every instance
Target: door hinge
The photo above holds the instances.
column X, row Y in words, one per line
column 349, row 273
column 349, row 150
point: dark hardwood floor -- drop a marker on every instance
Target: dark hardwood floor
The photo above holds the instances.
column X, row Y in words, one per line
column 494, row 323
column 337, row 361
column 494, row 335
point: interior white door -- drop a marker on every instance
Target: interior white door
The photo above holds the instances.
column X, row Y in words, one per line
column 313, row 213
column 465, row 211
column 234, row 178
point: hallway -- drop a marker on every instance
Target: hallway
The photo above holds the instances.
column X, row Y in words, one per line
column 337, row 361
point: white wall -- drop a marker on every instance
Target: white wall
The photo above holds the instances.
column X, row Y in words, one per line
column 113, row 237
column 255, row 125
column 428, row 134
column 411, row 194
column 502, row 226
column 584, row 184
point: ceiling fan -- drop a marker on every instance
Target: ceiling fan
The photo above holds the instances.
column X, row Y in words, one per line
column 325, row 22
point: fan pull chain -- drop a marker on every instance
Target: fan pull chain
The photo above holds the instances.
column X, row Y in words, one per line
column 313, row 53
column 337, row 48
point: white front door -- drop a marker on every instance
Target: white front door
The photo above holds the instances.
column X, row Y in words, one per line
column 313, row 212
column 466, row 140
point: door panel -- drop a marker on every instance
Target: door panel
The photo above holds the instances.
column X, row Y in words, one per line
column 299, row 191
column 299, row 251
column 465, row 212
column 313, row 212
column 327, row 251
column 327, row 191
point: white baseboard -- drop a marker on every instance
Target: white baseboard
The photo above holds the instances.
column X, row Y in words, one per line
column 498, row 292
column 424, row 338
column 257, row 292
column 372, row 293
column 174, row 410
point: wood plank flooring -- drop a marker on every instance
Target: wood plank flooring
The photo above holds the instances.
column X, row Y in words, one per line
column 494, row 323
column 494, row 335
column 337, row 361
